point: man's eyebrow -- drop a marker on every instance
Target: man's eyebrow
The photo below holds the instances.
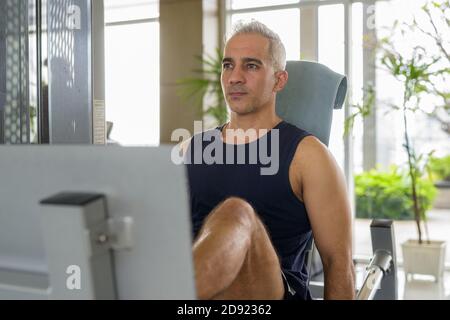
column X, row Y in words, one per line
column 254, row 60
column 245, row 60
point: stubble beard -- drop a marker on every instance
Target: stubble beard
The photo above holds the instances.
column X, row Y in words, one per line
column 248, row 108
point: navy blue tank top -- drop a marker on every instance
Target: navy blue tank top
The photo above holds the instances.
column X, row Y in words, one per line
column 271, row 195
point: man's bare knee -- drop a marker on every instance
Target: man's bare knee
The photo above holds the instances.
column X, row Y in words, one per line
column 260, row 275
column 226, row 236
column 239, row 211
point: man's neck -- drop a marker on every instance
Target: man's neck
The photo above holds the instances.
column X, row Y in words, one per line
column 259, row 124
column 253, row 121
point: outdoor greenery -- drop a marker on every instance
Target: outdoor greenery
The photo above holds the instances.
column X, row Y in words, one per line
column 387, row 195
column 440, row 168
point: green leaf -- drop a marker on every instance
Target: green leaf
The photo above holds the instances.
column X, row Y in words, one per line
column 208, row 82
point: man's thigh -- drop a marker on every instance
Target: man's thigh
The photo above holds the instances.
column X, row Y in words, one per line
column 260, row 276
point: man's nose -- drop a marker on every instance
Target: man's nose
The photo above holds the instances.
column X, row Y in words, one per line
column 236, row 76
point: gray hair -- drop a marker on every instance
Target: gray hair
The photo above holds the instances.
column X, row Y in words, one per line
column 277, row 50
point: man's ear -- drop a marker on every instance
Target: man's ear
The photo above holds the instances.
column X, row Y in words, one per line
column 281, row 80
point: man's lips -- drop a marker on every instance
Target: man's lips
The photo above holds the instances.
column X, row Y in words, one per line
column 237, row 94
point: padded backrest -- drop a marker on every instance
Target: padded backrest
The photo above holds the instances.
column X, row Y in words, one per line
column 312, row 93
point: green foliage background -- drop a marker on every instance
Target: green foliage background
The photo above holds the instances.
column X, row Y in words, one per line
column 387, row 195
column 440, row 168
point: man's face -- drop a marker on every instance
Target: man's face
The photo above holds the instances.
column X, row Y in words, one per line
column 248, row 76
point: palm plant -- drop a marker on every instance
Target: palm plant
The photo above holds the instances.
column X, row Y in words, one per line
column 207, row 84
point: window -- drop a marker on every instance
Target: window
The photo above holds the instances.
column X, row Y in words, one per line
column 425, row 133
column 130, row 10
column 244, row 4
column 332, row 54
column 132, row 71
column 357, row 81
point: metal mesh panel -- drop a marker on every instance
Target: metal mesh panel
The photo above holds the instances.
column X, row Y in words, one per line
column 69, row 63
column 2, row 67
column 15, row 109
column 61, row 39
column 64, row 53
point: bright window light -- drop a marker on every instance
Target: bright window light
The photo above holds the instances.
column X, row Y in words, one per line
column 126, row 10
column 332, row 54
column 132, row 83
column 243, row 4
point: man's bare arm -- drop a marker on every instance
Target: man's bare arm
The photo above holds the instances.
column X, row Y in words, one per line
column 324, row 194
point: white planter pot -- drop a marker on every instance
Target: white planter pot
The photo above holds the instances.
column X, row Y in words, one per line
column 426, row 258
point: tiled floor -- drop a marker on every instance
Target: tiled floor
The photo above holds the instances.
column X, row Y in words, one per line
column 424, row 289
column 438, row 226
column 421, row 287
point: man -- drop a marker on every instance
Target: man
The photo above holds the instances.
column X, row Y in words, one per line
column 251, row 230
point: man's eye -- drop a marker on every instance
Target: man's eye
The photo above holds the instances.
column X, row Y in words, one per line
column 252, row 66
column 227, row 66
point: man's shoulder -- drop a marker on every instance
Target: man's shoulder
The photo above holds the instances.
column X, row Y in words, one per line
column 311, row 151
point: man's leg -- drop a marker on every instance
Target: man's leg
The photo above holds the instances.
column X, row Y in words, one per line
column 234, row 257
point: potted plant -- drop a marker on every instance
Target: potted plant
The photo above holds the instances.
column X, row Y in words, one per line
column 418, row 71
